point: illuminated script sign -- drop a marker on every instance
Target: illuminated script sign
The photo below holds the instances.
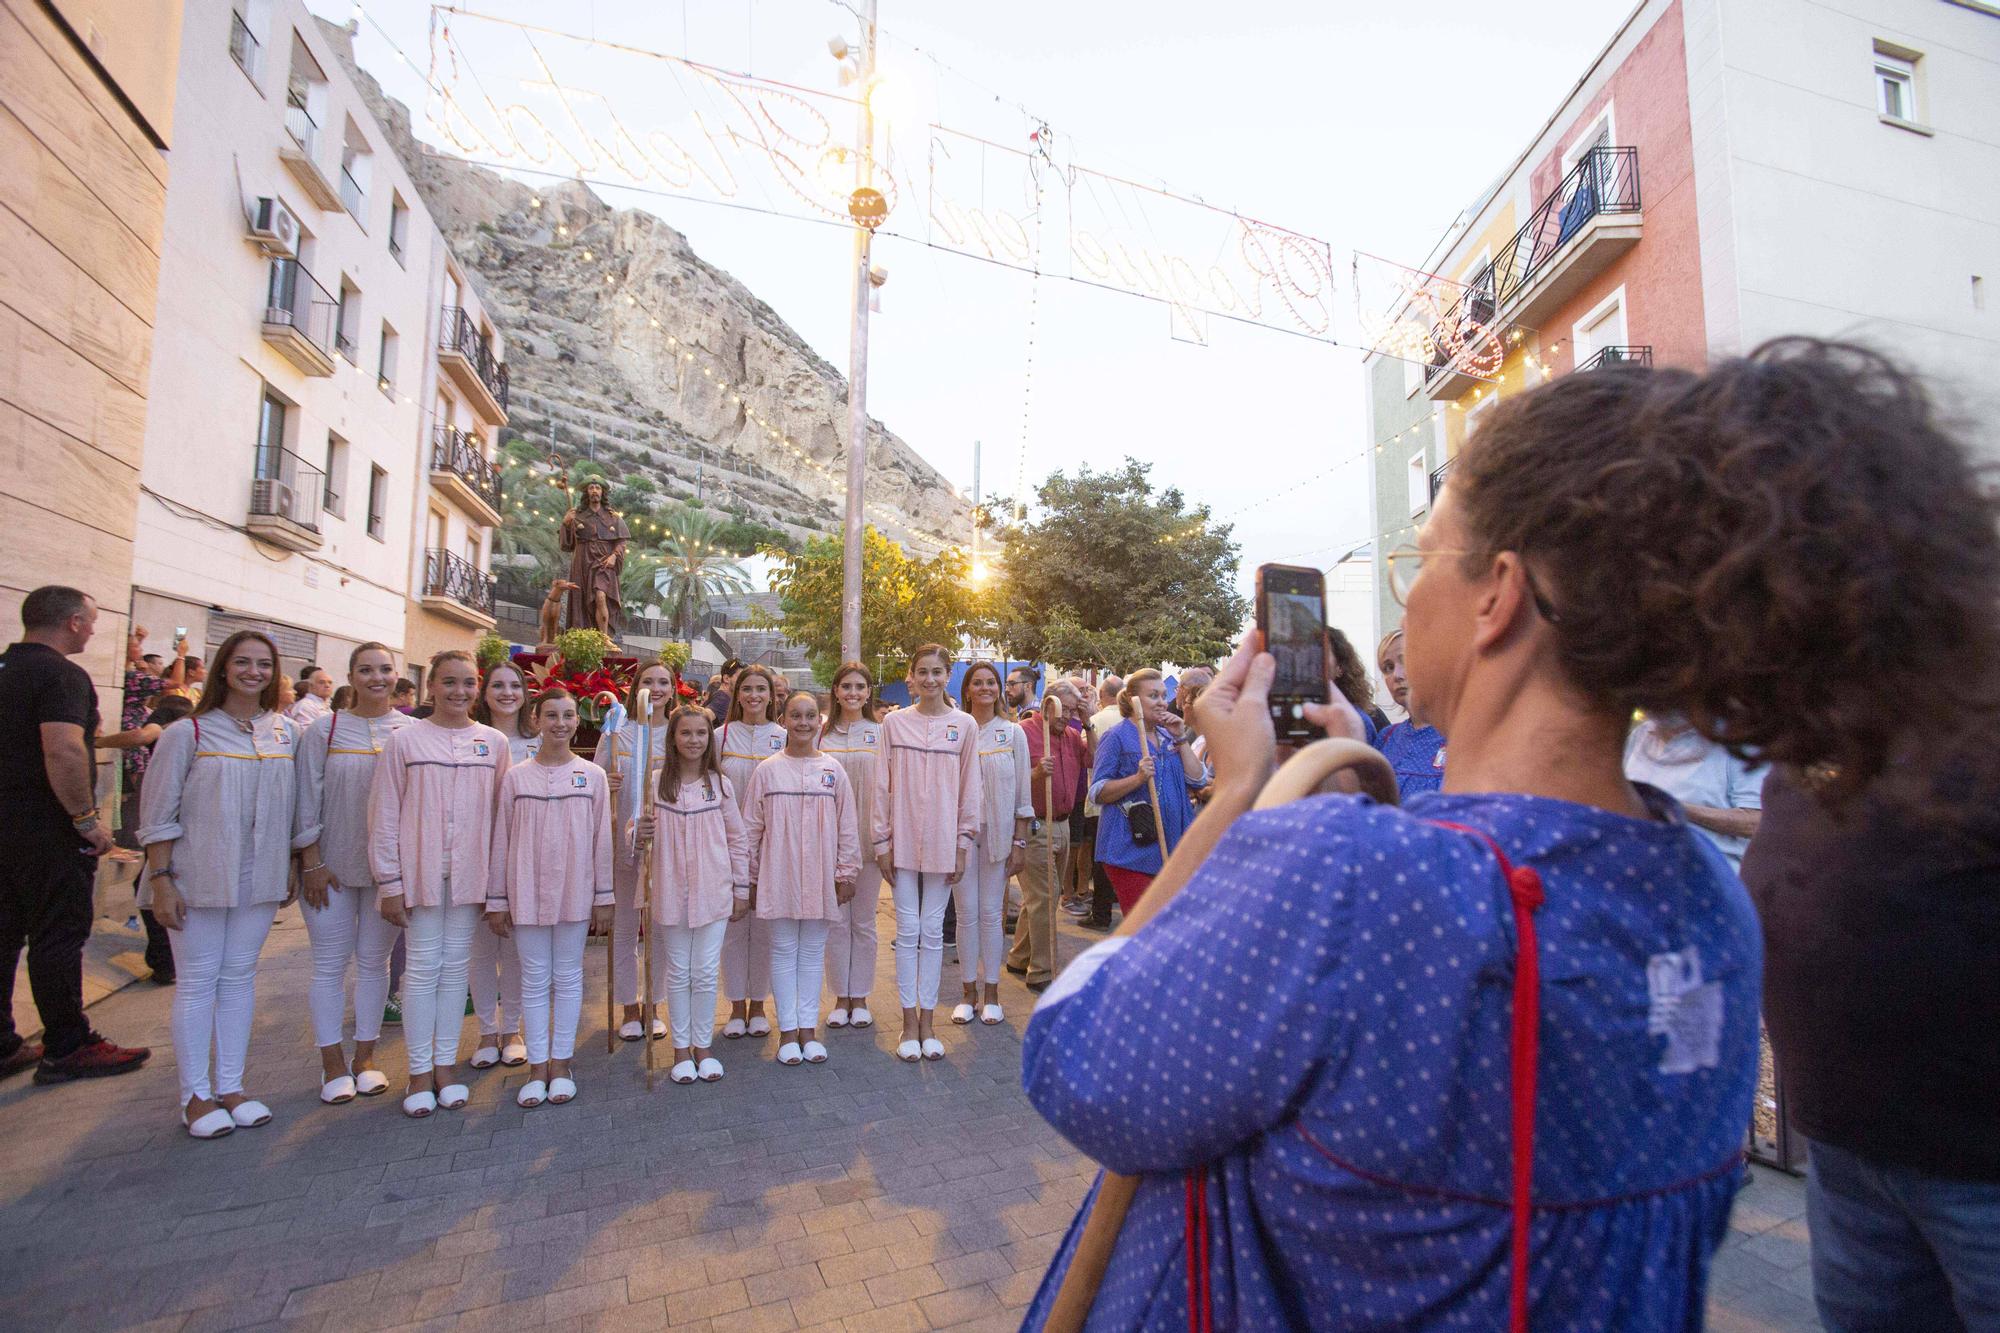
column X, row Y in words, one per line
column 1423, row 317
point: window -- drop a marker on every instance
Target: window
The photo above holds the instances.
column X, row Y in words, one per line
column 378, row 502
column 472, row 548
column 335, row 501
column 385, row 365
column 243, row 45
column 1413, row 377
column 271, row 416
column 1895, row 86
column 356, row 162
column 399, row 228
column 1603, row 327
column 1420, row 482
column 347, row 322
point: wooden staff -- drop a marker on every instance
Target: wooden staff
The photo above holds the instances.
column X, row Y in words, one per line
column 611, row 936
column 1304, row 773
column 1152, row 787
column 645, row 893
column 1051, row 708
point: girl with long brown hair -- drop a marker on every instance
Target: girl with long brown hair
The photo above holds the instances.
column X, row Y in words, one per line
column 1006, row 807
column 854, row 739
column 496, row 964
column 750, row 736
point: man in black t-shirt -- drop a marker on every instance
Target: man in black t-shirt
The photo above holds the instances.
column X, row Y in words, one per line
column 53, row 835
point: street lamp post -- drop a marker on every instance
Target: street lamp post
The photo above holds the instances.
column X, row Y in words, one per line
column 857, row 362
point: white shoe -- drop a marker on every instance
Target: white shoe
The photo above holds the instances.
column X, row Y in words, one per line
column 631, row 1030
column 514, row 1054
column 561, row 1090
column 532, row 1094
column 788, row 1054
column 371, row 1083
column 962, row 1014
column 340, row 1088
column 709, row 1070
column 682, row 1072
column 837, row 1019
column 419, row 1104
column 211, row 1126
column 487, row 1056
column 454, row 1095
column 815, row 1053
column 909, row 1051
column 861, row 1018
column 659, row 1029
column 760, row 1026
column 992, row 1014
column 933, row 1049
column 733, row 1029
column 250, row 1114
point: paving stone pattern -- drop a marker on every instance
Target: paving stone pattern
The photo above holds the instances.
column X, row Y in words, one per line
column 863, row 1194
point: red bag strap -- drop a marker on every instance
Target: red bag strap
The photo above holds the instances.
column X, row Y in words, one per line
column 1524, row 889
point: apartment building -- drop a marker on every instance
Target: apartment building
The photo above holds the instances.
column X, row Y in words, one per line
column 297, row 439
column 1726, row 171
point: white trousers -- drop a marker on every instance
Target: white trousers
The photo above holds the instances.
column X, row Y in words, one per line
column 349, row 929
column 496, row 982
column 852, row 943
column 920, row 900
column 551, row 987
column 693, row 961
column 215, row 994
column 438, row 949
column 798, row 966
column 981, row 896
column 746, row 960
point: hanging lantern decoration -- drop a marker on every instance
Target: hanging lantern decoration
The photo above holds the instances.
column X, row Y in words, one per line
column 867, row 207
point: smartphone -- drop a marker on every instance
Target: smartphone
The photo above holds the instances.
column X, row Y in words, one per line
column 1291, row 615
column 180, row 632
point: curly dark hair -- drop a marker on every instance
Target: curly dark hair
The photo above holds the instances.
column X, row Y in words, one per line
column 1776, row 549
column 1351, row 677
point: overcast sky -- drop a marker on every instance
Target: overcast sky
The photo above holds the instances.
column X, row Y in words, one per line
column 1368, row 126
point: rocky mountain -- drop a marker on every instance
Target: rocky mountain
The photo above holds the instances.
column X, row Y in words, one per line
column 595, row 368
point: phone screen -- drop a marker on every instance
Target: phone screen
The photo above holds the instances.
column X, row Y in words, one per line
column 1293, row 634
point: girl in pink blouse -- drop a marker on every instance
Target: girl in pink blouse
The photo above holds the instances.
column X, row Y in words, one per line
column 805, row 850
column 551, row 881
column 701, row 882
column 853, row 737
column 496, row 968
column 430, row 837
column 618, row 755
column 926, row 817
column 1005, row 810
column 748, row 738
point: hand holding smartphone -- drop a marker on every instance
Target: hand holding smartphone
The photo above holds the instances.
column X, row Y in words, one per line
column 1291, row 616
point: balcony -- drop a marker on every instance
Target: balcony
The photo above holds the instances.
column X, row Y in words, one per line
column 285, row 499
column 299, row 318
column 1438, row 476
column 454, row 587
column 1640, row 355
column 299, row 154
column 467, row 356
column 1592, row 218
column 352, row 197
column 243, row 45
column 460, row 469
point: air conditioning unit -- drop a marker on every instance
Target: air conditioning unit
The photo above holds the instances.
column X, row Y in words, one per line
column 276, row 229
column 284, row 501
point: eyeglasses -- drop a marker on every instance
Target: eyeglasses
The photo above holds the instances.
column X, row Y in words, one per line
column 1406, row 565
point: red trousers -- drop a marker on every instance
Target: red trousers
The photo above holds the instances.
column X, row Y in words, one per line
column 1129, row 885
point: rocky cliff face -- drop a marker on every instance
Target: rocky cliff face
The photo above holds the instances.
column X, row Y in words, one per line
column 595, row 367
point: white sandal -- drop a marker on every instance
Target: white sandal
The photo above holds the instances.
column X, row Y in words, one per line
column 788, row 1054
column 962, row 1014
column 532, row 1094
column 682, row 1072
column 933, row 1049
column 514, row 1054
column 453, row 1095
column 631, row 1030
column 733, row 1029
column 371, row 1083
column 250, row 1114
column 211, row 1126
column 861, row 1018
column 760, row 1026
column 992, row 1014
column 418, row 1105
column 710, row 1070
column 486, row 1056
column 909, row 1051
column 659, row 1029
column 338, row 1089
column 815, row 1053
column 837, row 1019
column 561, row 1090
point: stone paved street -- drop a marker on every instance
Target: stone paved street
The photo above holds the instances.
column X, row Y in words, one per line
column 860, row 1195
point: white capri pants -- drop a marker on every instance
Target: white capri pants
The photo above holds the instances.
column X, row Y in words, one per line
column 852, row 943
column 215, row 994
column 349, row 929
column 496, row 982
column 981, row 895
column 920, row 900
column 746, row 960
column 693, row 960
column 551, row 987
column 438, row 949
column 798, row 966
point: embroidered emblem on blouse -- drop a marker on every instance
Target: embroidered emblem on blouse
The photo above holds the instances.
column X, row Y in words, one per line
column 1684, row 1010
column 826, row 779
column 580, row 781
column 951, row 733
column 482, row 749
column 777, row 743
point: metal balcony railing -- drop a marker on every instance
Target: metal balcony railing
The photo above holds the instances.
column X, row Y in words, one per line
column 453, row 576
column 460, row 333
column 456, row 452
column 1623, row 355
column 300, row 124
column 351, row 196
column 1438, row 476
column 1604, row 180
column 294, row 297
column 286, row 486
column 243, row 44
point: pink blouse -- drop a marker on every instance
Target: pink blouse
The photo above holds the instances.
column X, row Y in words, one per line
column 741, row 747
column 799, row 816
column 551, row 858
column 928, row 795
column 701, row 854
column 430, row 813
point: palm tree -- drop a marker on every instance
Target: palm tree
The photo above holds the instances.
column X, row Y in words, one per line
column 531, row 514
column 694, row 568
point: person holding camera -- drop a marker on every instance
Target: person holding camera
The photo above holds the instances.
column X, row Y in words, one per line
column 1143, row 787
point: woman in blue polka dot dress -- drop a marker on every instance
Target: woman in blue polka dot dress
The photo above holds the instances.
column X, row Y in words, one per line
column 1299, row 1043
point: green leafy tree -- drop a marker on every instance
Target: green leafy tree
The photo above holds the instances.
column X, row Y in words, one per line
column 1113, row 573
column 694, row 567
column 904, row 603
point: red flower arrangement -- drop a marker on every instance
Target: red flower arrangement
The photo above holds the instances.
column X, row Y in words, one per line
column 597, row 690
